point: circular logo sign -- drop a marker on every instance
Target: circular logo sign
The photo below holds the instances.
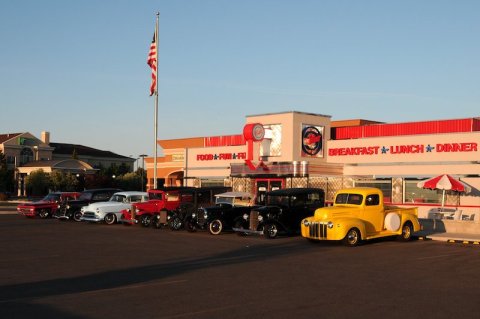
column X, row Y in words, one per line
column 254, row 132
column 311, row 140
column 258, row 132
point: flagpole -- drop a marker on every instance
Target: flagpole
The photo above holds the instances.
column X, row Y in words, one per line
column 156, row 110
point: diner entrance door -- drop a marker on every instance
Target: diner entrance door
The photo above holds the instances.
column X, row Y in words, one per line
column 262, row 186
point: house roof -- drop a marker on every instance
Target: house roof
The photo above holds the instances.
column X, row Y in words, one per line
column 81, row 150
column 6, row 137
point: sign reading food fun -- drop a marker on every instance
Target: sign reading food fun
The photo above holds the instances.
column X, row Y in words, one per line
column 404, row 149
column 221, row 156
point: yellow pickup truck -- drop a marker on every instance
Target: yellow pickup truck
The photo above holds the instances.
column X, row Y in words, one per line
column 359, row 214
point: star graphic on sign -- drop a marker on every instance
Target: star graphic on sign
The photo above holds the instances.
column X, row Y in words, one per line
column 384, row 150
column 430, row 148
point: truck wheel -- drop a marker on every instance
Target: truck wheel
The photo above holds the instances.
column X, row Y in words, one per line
column 175, row 223
column 406, row 232
column 215, row 227
column 43, row 213
column 352, row 238
column 270, row 231
column 110, row 219
column 146, row 220
column 77, row 216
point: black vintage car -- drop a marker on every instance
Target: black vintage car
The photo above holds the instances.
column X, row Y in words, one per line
column 283, row 213
column 71, row 210
column 228, row 207
column 191, row 199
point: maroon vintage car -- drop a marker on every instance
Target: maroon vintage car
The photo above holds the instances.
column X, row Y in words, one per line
column 47, row 206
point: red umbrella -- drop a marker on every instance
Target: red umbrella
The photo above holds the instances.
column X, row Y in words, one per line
column 445, row 182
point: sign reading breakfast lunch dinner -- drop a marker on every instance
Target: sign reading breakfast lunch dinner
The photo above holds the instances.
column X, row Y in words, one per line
column 460, row 148
column 404, row 149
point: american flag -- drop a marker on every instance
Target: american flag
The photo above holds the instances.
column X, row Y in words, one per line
column 152, row 62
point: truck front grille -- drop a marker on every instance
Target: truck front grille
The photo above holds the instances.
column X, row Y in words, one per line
column 200, row 216
column 163, row 216
column 318, row 230
column 253, row 220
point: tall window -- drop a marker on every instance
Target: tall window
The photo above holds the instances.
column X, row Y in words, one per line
column 26, row 155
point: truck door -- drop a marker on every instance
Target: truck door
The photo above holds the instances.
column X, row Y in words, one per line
column 374, row 215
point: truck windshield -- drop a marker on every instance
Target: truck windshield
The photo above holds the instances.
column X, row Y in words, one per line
column 346, row 198
column 278, row 200
column 152, row 195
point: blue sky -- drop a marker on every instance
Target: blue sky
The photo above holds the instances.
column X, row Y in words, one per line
column 78, row 68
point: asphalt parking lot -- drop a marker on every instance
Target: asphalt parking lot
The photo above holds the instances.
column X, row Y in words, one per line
column 53, row 269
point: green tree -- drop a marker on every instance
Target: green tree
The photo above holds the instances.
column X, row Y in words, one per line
column 7, row 180
column 129, row 182
column 62, row 181
column 38, row 183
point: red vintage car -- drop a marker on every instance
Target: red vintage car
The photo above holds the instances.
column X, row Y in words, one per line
column 47, row 206
column 168, row 198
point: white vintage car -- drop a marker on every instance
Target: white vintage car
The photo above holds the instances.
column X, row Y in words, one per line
column 110, row 212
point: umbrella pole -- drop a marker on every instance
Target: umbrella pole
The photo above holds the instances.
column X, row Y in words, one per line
column 443, row 198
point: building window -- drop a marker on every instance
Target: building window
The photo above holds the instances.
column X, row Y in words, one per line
column 26, row 155
column 272, row 142
column 415, row 194
column 212, row 182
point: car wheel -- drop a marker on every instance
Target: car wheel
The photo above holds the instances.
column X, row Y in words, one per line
column 175, row 223
column 77, row 216
column 146, row 220
column 406, row 232
column 190, row 225
column 43, row 213
column 110, row 219
column 270, row 231
column 215, row 227
column 352, row 238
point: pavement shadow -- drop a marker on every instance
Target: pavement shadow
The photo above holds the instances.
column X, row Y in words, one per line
column 24, row 292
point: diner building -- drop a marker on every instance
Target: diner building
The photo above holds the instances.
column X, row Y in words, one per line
column 298, row 149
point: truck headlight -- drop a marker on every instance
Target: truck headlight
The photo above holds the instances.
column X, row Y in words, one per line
column 330, row 225
column 306, row 222
column 97, row 210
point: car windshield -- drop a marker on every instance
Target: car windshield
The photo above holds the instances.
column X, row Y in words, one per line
column 118, row 198
column 278, row 200
column 51, row 197
column 228, row 200
column 346, row 198
column 85, row 196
